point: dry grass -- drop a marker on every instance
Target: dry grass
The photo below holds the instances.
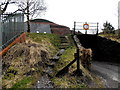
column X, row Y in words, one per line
column 23, row 60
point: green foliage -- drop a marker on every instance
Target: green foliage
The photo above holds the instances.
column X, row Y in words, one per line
column 108, row 28
column 23, row 83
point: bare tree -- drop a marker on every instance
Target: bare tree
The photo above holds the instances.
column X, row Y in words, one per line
column 4, row 4
column 31, row 8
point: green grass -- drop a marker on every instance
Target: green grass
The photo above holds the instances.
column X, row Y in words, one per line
column 113, row 37
column 40, row 37
column 67, row 81
column 67, row 56
column 51, row 41
column 23, row 83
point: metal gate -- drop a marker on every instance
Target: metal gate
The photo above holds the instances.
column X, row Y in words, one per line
column 11, row 26
column 86, row 26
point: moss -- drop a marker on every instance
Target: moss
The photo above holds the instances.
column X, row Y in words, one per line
column 23, row 83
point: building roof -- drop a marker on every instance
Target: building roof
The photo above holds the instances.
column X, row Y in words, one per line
column 44, row 21
column 41, row 20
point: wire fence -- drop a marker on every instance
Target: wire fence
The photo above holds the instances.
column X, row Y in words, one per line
column 11, row 26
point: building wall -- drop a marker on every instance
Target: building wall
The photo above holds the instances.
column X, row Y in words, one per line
column 39, row 28
column 61, row 31
column 48, row 27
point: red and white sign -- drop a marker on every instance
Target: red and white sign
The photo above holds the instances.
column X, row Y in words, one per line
column 85, row 26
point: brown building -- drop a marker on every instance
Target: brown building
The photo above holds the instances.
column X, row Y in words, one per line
column 54, row 28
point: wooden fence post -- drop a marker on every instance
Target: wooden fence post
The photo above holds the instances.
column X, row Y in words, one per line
column 78, row 61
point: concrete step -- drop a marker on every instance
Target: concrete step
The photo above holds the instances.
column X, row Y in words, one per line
column 63, row 40
column 63, row 46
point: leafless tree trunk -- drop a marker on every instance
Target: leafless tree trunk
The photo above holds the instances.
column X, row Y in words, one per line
column 2, row 10
column 28, row 20
column 31, row 8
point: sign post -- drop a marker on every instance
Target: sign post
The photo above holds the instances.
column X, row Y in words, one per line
column 86, row 27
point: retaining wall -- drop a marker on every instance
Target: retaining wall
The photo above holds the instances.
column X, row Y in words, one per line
column 103, row 49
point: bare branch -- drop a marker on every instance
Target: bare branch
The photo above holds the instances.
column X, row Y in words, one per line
column 4, row 5
column 31, row 8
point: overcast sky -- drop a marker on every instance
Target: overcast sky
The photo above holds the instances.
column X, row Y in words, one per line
column 65, row 12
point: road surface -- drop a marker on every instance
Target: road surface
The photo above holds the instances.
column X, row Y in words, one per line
column 109, row 73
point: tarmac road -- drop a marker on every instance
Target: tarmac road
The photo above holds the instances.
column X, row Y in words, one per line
column 109, row 72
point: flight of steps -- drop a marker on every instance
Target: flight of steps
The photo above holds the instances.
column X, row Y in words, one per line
column 64, row 42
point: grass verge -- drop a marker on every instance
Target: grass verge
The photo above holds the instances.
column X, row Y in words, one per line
column 113, row 37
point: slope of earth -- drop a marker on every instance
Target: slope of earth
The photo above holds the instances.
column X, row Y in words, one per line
column 113, row 37
column 69, row 78
column 24, row 63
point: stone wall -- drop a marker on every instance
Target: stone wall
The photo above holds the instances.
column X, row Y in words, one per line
column 103, row 49
column 61, row 31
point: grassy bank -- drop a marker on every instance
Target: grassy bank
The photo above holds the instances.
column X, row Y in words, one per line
column 24, row 63
column 113, row 37
column 51, row 41
column 69, row 80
